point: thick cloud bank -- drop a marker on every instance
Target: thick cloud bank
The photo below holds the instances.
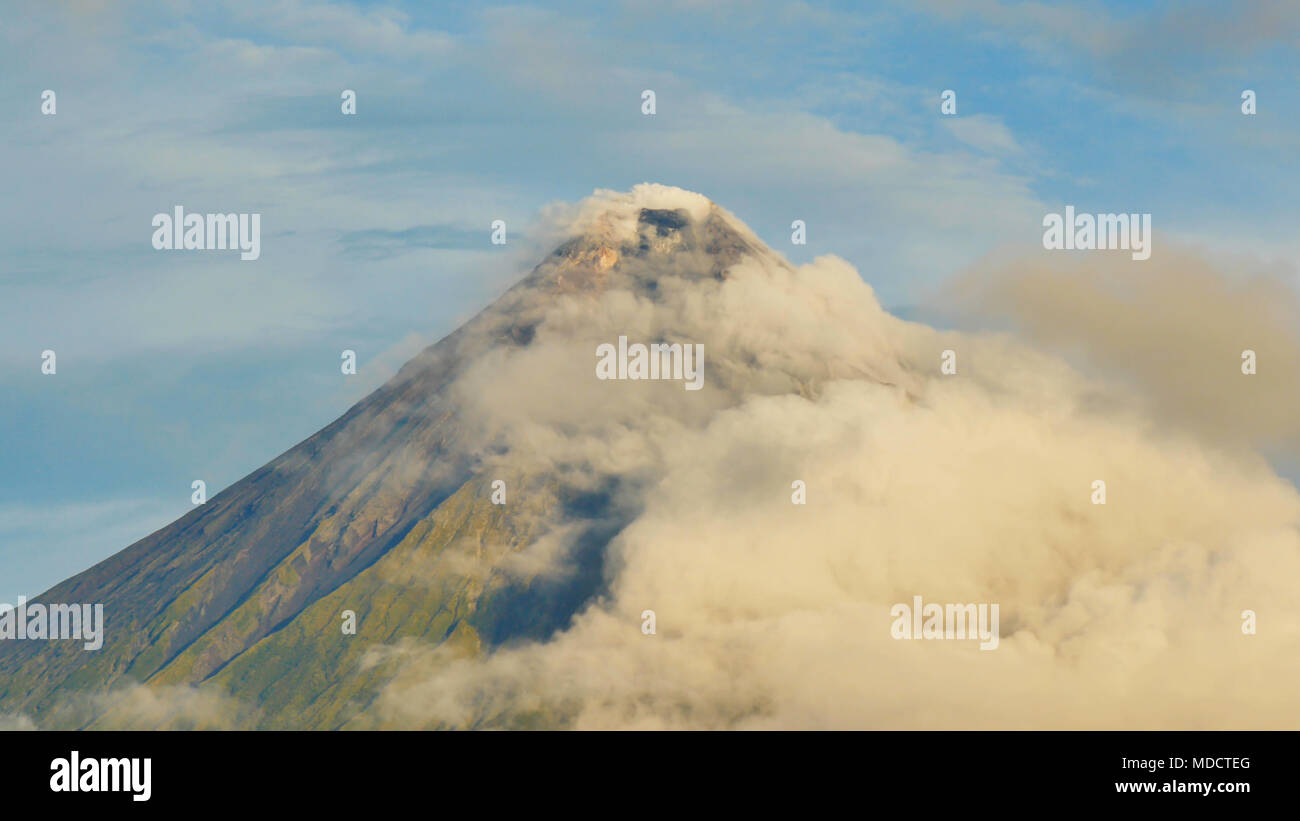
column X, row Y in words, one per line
column 971, row 487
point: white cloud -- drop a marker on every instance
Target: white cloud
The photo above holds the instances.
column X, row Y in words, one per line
column 969, row 488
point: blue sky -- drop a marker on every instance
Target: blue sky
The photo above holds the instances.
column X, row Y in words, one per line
column 375, row 234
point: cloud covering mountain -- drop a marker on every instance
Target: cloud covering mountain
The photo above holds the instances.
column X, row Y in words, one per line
column 627, row 496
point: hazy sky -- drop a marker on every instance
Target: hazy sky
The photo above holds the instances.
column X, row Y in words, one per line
column 375, row 227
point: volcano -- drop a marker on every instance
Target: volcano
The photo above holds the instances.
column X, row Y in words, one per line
column 555, row 517
column 385, row 515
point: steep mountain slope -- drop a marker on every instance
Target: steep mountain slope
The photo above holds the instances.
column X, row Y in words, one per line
column 385, row 513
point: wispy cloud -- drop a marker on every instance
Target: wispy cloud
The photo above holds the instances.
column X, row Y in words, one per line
column 983, row 132
column 377, row 243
